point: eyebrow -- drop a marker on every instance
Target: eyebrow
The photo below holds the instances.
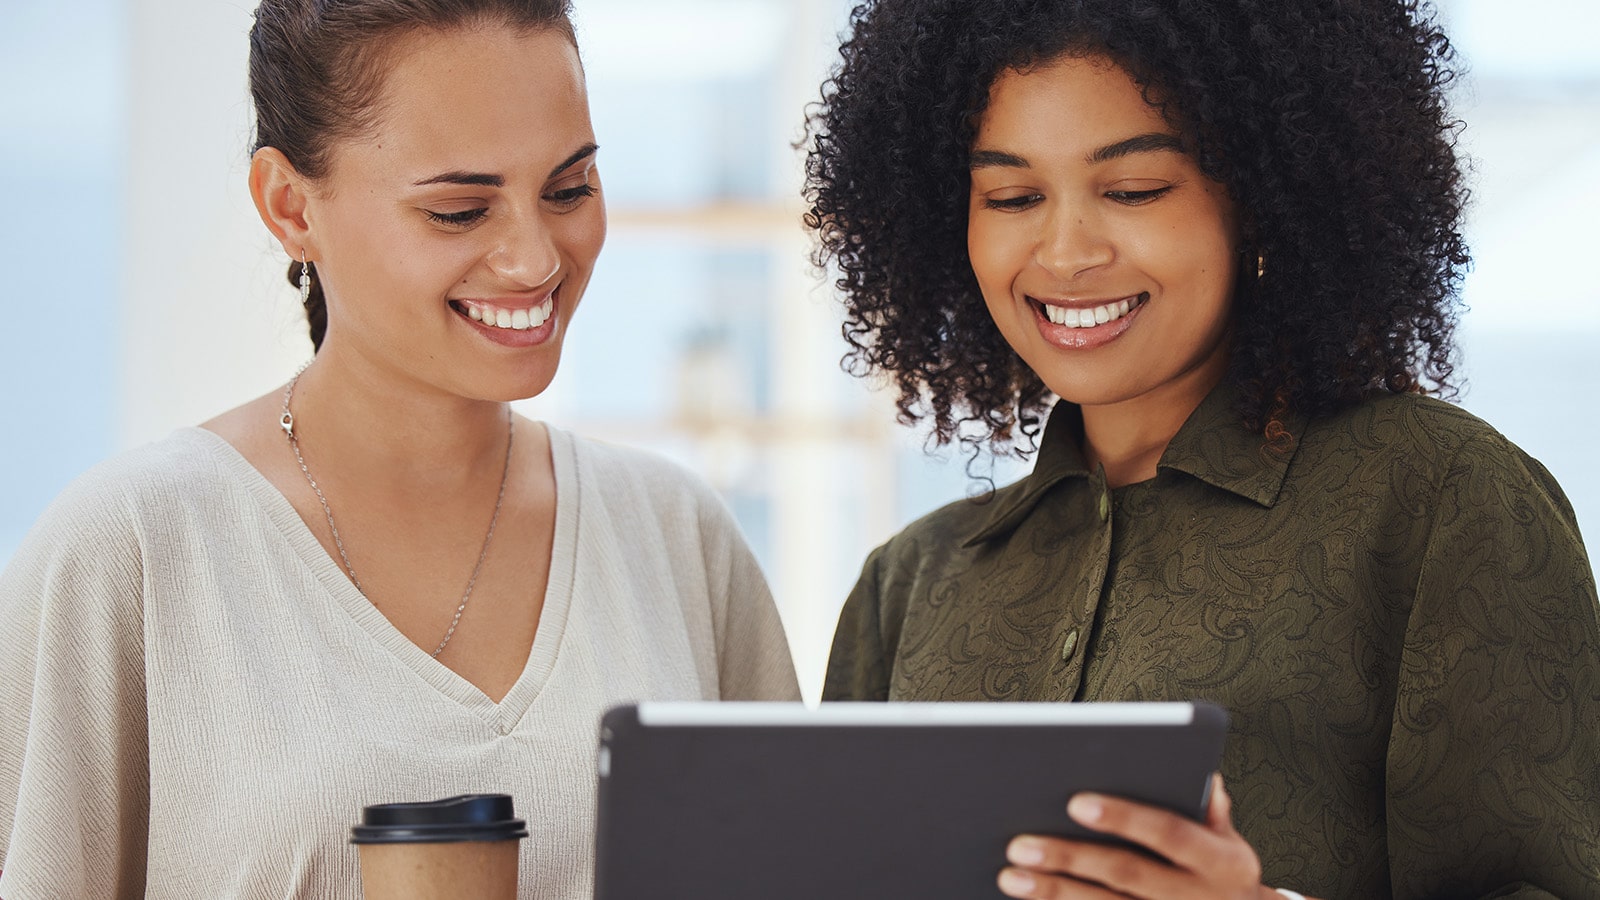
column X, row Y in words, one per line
column 488, row 179
column 994, row 159
column 1153, row 142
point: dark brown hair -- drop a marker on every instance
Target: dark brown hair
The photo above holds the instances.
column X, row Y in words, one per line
column 317, row 68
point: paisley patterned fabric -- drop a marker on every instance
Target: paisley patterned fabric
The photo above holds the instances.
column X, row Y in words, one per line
column 1397, row 610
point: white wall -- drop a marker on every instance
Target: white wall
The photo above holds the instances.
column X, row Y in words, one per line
column 208, row 319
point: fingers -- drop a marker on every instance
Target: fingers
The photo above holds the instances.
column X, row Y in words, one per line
column 1040, row 886
column 1195, row 859
column 1115, row 871
column 1214, row 850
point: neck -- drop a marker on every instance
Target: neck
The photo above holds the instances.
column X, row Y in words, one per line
column 361, row 419
column 1129, row 437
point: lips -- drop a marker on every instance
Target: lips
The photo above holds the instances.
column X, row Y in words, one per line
column 1086, row 325
column 512, row 322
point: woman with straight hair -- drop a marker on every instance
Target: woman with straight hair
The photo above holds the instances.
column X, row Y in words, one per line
column 376, row 583
column 1201, row 257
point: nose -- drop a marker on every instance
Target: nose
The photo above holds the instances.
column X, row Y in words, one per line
column 1072, row 242
column 525, row 253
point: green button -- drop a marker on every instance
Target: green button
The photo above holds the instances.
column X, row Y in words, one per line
column 1071, row 646
column 1105, row 506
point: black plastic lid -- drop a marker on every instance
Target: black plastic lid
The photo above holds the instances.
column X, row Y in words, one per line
column 469, row 817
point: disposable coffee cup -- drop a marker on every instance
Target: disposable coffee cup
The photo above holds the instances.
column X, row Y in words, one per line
column 459, row 847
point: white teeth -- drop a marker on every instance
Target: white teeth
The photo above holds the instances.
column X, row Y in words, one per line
column 1088, row 318
column 511, row 319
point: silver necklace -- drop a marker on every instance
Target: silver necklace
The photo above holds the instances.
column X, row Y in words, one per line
column 287, row 423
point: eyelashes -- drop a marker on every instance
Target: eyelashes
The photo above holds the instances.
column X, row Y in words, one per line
column 1027, row 201
column 1138, row 198
column 457, row 219
column 566, row 198
column 574, row 195
column 1012, row 204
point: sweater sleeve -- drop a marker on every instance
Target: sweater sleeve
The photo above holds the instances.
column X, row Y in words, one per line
column 753, row 657
column 74, row 773
column 1493, row 767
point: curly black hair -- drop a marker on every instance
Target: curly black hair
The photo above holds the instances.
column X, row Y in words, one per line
column 1325, row 119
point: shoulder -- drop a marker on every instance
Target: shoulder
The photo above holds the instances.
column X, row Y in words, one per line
column 943, row 537
column 1463, row 462
column 1401, row 421
column 1424, row 431
column 136, row 485
column 92, row 546
column 638, row 483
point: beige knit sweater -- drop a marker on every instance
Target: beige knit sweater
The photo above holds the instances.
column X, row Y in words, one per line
column 195, row 702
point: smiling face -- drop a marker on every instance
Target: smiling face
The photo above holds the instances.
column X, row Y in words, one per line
column 455, row 238
column 1105, row 256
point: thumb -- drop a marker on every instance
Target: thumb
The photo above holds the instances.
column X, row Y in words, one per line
column 1219, row 815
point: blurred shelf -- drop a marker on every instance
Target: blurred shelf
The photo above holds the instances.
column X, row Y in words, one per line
column 759, row 430
column 736, row 222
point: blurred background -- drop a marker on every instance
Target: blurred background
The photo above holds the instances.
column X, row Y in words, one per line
column 145, row 295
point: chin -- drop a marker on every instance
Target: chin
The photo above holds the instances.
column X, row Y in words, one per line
column 526, row 384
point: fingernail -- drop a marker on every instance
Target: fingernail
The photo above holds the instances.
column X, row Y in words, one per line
column 1085, row 808
column 1025, row 852
column 1016, row 882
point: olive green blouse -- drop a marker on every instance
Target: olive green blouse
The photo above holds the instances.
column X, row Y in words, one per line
column 1396, row 609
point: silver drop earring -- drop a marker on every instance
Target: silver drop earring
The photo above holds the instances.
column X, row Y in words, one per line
column 305, row 279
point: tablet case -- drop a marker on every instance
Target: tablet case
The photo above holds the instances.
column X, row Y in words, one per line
column 897, row 809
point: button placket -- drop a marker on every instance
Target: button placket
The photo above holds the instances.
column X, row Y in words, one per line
column 1073, row 655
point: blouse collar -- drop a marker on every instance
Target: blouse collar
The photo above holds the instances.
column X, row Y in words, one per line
column 1212, row 445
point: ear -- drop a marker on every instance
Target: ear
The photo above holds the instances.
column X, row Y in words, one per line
column 280, row 193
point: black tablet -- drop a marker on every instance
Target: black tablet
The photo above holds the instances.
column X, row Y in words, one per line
column 732, row 801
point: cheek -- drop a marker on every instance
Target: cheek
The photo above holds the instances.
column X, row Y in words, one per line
column 992, row 254
column 581, row 234
column 1193, row 253
column 386, row 247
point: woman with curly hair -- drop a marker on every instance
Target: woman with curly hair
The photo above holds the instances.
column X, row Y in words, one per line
column 1203, row 257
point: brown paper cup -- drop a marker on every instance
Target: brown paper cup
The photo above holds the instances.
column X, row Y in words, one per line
column 460, row 847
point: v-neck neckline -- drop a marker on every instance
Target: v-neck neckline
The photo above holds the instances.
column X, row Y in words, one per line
column 509, row 711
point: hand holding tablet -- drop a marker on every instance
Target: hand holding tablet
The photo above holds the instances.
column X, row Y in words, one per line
column 1187, row 858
